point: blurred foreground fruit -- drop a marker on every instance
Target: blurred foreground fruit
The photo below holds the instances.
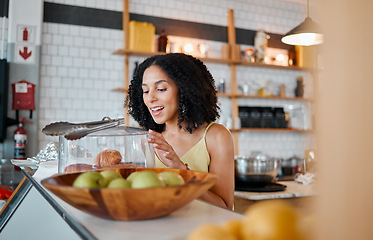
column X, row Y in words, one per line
column 234, row 227
column 271, row 220
column 210, row 231
column 264, row 220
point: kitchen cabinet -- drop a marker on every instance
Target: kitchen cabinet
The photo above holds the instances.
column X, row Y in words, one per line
column 232, row 62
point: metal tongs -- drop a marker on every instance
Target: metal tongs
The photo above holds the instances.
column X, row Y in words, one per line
column 74, row 131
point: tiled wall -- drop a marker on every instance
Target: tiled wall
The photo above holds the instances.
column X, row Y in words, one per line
column 78, row 73
column 78, row 70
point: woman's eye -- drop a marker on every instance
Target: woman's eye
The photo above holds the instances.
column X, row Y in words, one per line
column 162, row 89
column 145, row 91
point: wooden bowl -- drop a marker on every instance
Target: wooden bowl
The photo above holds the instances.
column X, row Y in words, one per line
column 131, row 204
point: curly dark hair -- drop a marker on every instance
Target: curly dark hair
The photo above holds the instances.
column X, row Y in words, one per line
column 197, row 91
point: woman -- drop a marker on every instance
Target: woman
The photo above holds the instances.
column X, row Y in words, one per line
column 174, row 97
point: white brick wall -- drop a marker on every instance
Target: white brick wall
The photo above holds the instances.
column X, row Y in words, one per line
column 78, row 73
column 78, row 70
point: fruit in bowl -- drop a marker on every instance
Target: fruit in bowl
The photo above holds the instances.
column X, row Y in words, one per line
column 131, row 203
column 171, row 178
column 90, row 180
column 143, row 179
column 119, row 183
column 146, row 179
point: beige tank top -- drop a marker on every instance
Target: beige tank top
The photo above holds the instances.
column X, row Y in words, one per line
column 197, row 157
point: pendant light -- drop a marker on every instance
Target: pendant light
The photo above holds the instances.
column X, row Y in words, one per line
column 305, row 34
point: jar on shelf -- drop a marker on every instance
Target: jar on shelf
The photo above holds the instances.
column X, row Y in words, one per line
column 244, row 114
column 266, row 118
column 255, row 117
column 279, row 119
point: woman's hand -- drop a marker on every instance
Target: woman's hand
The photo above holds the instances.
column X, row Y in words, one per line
column 165, row 151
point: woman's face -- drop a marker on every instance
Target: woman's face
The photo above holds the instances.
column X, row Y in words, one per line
column 160, row 95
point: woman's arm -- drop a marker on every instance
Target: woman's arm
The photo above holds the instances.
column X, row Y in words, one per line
column 165, row 151
column 221, row 149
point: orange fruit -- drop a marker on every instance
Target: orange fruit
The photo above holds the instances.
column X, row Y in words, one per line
column 234, row 227
column 271, row 220
column 210, row 231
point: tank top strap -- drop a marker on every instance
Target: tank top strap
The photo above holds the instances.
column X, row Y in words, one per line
column 207, row 128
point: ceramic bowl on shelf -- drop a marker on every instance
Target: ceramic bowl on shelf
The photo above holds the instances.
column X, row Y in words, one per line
column 131, row 204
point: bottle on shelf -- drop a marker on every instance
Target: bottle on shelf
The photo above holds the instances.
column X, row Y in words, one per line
column 221, row 86
column 299, row 90
column 260, row 44
column 162, row 41
column 292, row 57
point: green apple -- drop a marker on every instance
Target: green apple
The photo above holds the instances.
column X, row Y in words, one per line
column 171, row 178
column 109, row 175
column 90, row 179
column 131, row 176
column 146, row 179
column 119, row 183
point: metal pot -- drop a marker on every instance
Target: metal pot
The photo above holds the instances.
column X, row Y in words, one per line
column 258, row 169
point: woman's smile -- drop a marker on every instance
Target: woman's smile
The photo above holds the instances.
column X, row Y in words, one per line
column 156, row 110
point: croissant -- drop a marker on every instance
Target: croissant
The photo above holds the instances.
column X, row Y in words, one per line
column 107, row 158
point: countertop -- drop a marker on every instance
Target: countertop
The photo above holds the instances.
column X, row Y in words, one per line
column 298, row 194
column 177, row 225
column 293, row 189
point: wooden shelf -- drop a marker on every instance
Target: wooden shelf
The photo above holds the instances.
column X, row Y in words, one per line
column 213, row 60
column 229, row 95
column 253, row 64
column 148, row 54
column 272, row 130
column 135, row 53
column 120, row 90
column 232, row 62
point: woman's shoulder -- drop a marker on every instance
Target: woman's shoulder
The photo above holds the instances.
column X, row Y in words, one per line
column 218, row 132
column 219, row 143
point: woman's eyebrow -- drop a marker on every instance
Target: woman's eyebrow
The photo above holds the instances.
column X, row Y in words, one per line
column 160, row 81
column 156, row 83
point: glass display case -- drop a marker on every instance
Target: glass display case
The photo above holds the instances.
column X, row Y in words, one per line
column 111, row 148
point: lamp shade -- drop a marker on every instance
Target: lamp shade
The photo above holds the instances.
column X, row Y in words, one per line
column 305, row 34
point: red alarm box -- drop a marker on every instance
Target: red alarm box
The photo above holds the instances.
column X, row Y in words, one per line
column 23, row 95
